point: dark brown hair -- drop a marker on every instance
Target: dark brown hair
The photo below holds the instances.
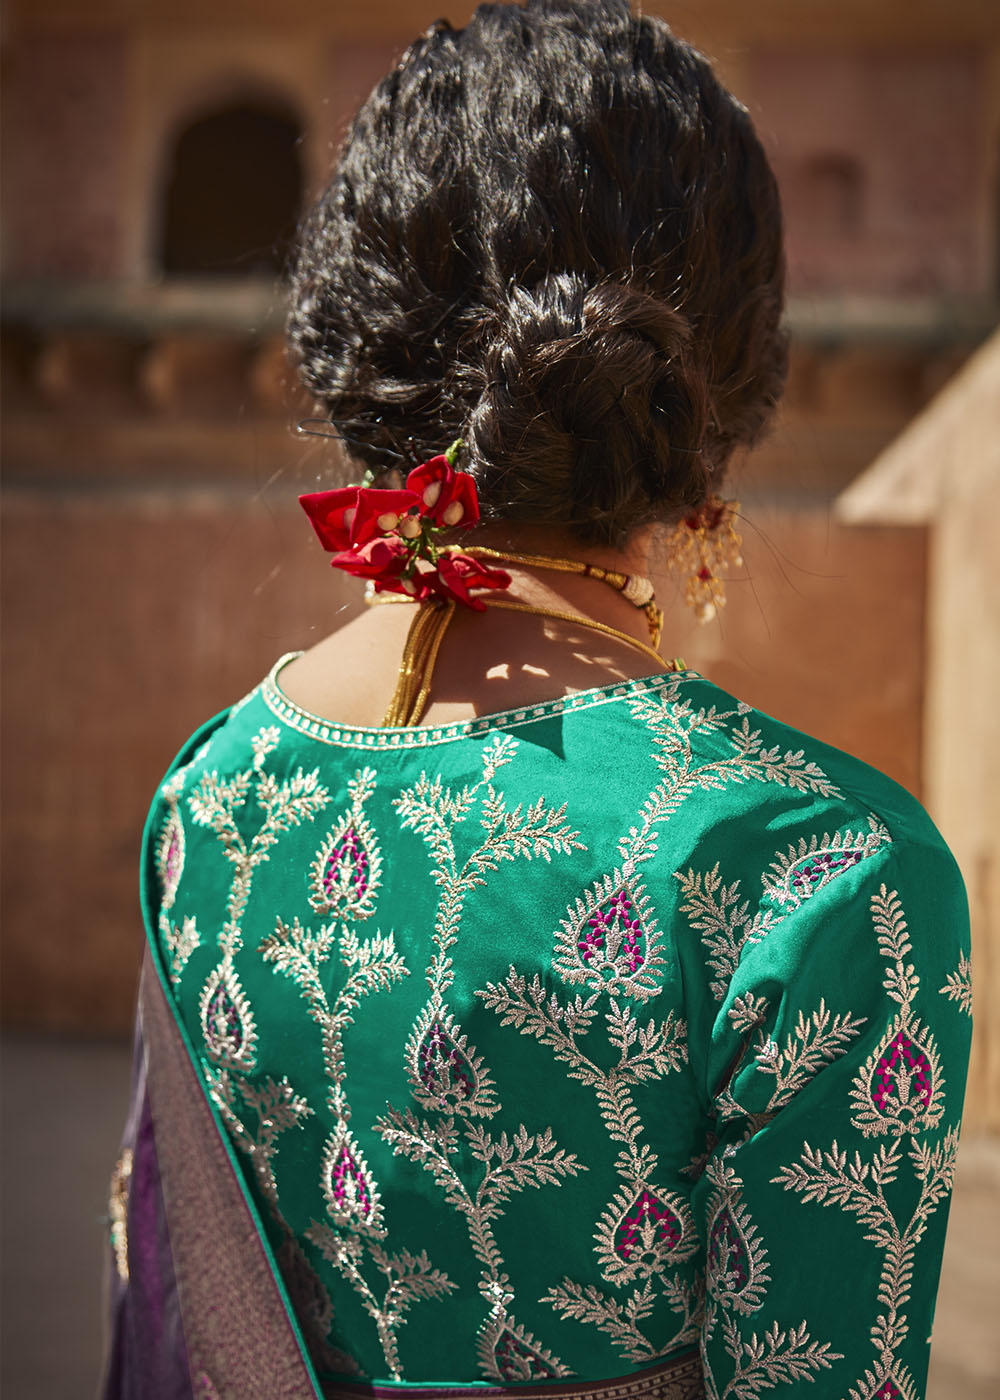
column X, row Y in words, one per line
column 555, row 233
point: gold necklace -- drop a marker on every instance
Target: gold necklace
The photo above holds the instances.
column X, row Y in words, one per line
column 430, row 623
column 637, row 588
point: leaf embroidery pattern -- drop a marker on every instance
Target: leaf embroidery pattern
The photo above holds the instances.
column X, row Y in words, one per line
column 897, row 1093
column 609, row 945
column 227, row 1023
column 810, row 864
column 958, row 984
column 352, row 1239
column 447, row 1075
column 181, row 940
column 736, row 1278
column 727, row 924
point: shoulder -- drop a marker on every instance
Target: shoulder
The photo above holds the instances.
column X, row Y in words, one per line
column 765, row 827
column 761, row 763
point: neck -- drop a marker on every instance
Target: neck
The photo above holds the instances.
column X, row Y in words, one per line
column 588, row 596
column 548, row 540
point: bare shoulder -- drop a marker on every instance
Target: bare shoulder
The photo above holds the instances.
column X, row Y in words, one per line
column 487, row 663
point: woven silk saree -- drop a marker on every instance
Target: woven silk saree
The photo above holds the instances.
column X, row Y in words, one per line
column 614, row 1046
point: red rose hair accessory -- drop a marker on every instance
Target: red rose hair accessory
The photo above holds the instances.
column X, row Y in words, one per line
column 391, row 537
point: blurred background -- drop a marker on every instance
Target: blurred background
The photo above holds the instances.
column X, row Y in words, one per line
column 157, row 157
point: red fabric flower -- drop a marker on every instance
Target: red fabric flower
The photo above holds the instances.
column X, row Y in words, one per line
column 388, row 536
column 331, row 514
column 379, row 513
column 447, row 496
column 457, row 573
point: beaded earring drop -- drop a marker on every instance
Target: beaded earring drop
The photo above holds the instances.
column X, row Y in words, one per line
column 702, row 546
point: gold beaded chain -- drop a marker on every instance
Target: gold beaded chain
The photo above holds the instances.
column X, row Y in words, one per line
column 430, row 623
column 635, row 587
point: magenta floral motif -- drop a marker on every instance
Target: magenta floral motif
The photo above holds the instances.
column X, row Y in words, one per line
column 903, row 1074
column 225, row 1022
column 888, row 1390
column 348, row 1184
column 649, row 1223
column 602, row 923
column 820, row 867
column 728, row 1258
column 516, row 1361
column 444, row 1071
column 350, row 853
column 171, row 859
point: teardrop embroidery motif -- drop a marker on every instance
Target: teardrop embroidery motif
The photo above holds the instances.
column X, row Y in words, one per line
column 902, row 1080
column 518, row 1362
column 446, row 1074
column 648, row 1228
column 609, row 940
column 729, row 1263
column 170, row 856
column 444, row 1070
column 351, row 1194
column 226, row 1021
column 345, row 877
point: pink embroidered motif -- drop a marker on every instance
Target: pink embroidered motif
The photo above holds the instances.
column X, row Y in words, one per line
column 649, row 1222
column 350, row 1190
column 171, row 858
column 350, row 852
column 903, row 1071
column 517, row 1361
column 822, row 867
column 603, row 922
column 444, row 1071
column 887, row 1391
column 728, row 1258
column 227, row 1031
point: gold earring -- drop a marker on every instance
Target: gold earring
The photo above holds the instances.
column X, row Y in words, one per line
column 703, row 545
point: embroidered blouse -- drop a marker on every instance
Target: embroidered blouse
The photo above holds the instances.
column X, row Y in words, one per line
column 559, row 1041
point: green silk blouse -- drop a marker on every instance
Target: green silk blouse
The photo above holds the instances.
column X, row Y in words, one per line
column 559, row 1041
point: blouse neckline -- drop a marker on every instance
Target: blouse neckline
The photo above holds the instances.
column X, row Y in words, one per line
column 422, row 735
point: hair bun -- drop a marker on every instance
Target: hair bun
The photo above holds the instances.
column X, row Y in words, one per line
column 594, row 409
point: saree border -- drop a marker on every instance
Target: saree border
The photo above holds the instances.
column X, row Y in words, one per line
column 680, row 1378
column 239, row 1327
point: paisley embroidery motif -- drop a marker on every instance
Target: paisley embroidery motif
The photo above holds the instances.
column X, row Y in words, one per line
column 170, row 855
column 644, row 1231
column 345, row 875
column 508, row 1353
column 445, row 1072
column 900, row 1088
column 179, row 941
column 811, row 864
column 736, row 1270
column 351, row 1194
column 609, row 940
column 227, row 1023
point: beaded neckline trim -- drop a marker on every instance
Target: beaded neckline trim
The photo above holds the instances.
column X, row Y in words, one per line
column 421, row 735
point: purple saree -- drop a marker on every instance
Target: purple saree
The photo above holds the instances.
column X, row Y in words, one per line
column 196, row 1307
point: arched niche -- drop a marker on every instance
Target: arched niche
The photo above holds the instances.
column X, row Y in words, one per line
column 232, row 192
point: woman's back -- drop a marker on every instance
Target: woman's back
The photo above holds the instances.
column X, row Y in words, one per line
column 519, row 1022
column 597, row 1032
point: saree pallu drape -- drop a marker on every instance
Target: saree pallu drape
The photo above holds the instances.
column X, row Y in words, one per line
column 196, row 1308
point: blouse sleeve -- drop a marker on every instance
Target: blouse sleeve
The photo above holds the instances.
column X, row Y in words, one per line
column 837, row 1024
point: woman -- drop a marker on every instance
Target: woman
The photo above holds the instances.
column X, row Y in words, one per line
column 527, row 1014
